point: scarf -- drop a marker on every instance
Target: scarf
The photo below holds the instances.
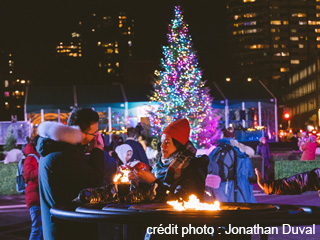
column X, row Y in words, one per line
column 171, row 169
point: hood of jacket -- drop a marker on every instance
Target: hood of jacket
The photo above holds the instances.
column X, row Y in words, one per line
column 241, row 149
column 29, row 149
column 55, row 137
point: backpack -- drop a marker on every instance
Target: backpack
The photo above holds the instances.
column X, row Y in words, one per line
column 224, row 164
column 20, row 184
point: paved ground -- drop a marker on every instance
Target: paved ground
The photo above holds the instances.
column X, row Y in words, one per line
column 15, row 219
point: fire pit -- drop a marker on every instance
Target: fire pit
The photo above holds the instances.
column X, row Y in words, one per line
column 148, row 215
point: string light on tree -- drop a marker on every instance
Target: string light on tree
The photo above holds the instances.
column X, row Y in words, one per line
column 179, row 89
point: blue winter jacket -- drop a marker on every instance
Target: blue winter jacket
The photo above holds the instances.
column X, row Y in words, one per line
column 225, row 193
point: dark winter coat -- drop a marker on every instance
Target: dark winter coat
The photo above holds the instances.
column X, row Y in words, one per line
column 296, row 184
column 30, row 175
column 138, row 151
column 191, row 180
column 264, row 151
column 64, row 170
column 110, row 169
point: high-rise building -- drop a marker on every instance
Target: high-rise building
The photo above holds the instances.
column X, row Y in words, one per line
column 269, row 39
column 12, row 89
column 98, row 48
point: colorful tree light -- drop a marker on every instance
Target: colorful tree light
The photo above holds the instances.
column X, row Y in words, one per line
column 179, row 90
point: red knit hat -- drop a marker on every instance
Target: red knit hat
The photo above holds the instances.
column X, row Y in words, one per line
column 178, row 130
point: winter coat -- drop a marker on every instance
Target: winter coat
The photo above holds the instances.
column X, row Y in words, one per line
column 64, row 170
column 30, row 175
column 191, row 180
column 110, row 169
column 296, row 184
column 138, row 151
column 309, row 151
column 264, row 151
column 225, row 193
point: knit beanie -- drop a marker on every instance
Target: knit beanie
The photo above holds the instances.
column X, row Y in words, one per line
column 178, row 130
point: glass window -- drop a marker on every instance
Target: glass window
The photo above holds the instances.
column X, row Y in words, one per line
column 295, row 61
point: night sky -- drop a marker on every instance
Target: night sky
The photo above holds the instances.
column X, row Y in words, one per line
column 32, row 29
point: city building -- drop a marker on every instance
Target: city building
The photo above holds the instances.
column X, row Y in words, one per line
column 269, row 39
column 97, row 49
column 12, row 89
column 301, row 100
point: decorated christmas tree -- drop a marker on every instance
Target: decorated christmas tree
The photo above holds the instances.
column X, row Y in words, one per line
column 179, row 89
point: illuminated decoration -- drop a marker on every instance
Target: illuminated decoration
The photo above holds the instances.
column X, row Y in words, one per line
column 286, row 115
column 179, row 90
column 194, row 204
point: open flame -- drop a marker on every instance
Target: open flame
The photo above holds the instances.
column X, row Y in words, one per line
column 195, row 204
column 122, row 177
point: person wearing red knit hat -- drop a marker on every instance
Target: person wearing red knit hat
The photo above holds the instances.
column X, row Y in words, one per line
column 178, row 173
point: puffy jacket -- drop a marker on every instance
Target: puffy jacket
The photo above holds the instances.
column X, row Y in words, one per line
column 296, row 184
column 309, row 151
column 225, row 193
column 30, row 175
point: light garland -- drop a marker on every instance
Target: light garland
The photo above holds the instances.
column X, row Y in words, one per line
column 179, row 89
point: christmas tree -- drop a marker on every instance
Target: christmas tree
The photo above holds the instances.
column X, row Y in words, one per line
column 10, row 140
column 179, row 89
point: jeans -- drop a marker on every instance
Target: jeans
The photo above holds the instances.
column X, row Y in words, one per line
column 36, row 223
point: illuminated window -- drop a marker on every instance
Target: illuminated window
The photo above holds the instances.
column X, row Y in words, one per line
column 318, row 38
column 275, row 45
column 235, row 32
column 295, row 61
column 285, row 22
column 249, row 15
column 302, row 23
column 298, row 15
column 317, row 30
column 284, row 69
column 318, row 45
column 22, row 93
column 99, row 43
column 253, row 23
column 294, row 38
column 236, row 17
column 18, row 106
column 6, row 83
column 259, row 46
column 294, row 30
column 7, row 94
column 117, row 64
column 283, row 46
column 275, row 22
column 6, row 104
column 276, row 38
column 92, row 29
column 317, row 14
column 282, row 54
column 245, row 1
column 130, row 43
column 314, row 22
column 317, row 7
column 116, row 51
column 109, row 50
column 109, row 70
column 301, row 46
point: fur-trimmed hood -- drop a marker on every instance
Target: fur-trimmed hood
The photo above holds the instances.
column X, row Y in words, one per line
column 56, row 137
column 60, row 132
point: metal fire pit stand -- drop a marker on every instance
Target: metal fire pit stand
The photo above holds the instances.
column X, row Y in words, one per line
column 240, row 214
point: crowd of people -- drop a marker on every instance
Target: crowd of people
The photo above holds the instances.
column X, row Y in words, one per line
column 62, row 160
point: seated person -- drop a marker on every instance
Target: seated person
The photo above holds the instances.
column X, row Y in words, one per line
column 178, row 173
